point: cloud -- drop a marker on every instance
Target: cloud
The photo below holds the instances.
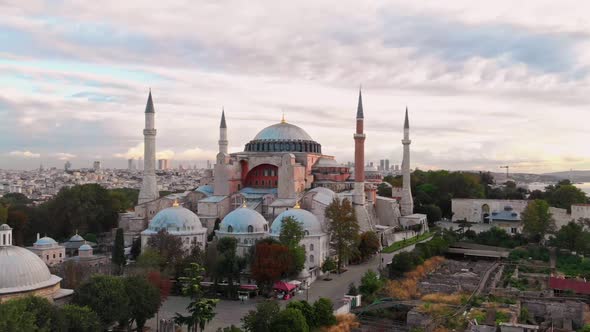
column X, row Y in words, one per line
column 135, row 152
column 196, row 153
column 24, row 154
column 165, row 154
column 65, row 156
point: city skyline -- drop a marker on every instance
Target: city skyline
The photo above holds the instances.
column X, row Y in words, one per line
column 486, row 84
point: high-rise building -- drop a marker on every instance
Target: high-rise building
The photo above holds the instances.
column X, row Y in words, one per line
column 68, row 165
column 149, row 187
column 130, row 164
column 96, row 165
column 163, row 164
column 382, row 165
column 386, row 168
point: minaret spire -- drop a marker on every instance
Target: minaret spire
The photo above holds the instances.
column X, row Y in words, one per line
column 222, row 125
column 407, row 202
column 359, row 155
column 223, row 143
column 149, row 186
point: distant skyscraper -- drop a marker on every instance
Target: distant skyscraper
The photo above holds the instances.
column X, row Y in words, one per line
column 386, row 165
column 67, row 166
column 163, row 164
column 149, row 187
column 130, row 164
column 382, row 165
column 96, row 165
column 208, row 164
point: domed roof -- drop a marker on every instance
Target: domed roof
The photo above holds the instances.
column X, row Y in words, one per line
column 23, row 270
column 283, row 131
column 175, row 219
column 322, row 195
column 240, row 219
column 309, row 222
column 85, row 247
column 5, row 227
column 326, row 162
column 45, row 241
column 76, row 238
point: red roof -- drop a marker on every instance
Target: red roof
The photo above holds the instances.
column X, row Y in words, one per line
column 580, row 287
column 284, row 286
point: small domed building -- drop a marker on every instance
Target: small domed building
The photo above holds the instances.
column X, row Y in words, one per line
column 180, row 222
column 245, row 225
column 315, row 241
column 74, row 243
column 22, row 273
column 51, row 252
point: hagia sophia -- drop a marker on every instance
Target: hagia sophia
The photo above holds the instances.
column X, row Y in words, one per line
column 281, row 172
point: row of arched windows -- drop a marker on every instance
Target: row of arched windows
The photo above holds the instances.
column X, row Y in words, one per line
column 295, row 146
column 230, row 229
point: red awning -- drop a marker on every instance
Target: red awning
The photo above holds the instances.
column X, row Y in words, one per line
column 577, row 286
column 283, row 286
column 249, row 287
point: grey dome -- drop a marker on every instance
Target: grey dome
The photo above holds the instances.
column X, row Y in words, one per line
column 175, row 219
column 22, row 270
column 5, row 227
column 76, row 238
column 326, row 162
column 45, row 242
column 85, row 247
column 309, row 222
column 283, row 132
column 239, row 220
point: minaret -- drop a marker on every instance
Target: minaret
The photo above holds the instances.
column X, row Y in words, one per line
column 359, row 155
column 149, row 187
column 407, row 202
column 223, row 134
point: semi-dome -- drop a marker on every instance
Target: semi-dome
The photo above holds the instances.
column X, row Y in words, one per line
column 326, row 162
column 310, row 223
column 22, row 270
column 175, row 219
column 283, row 136
column 45, row 241
column 243, row 220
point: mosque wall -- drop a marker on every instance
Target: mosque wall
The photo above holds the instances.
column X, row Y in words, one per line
column 473, row 210
column 47, row 292
column 387, row 211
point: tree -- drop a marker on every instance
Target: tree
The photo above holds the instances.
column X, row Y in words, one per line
column 271, row 261
column 16, row 317
column 402, row 263
column 259, row 320
column 352, row 290
column 324, row 313
column 168, row 246
column 537, row 220
column 291, row 235
column 106, row 296
column 144, row 301
column 161, row 283
column 289, row 320
column 123, row 199
column 370, row 284
column 343, row 228
column 150, row 259
column 228, row 264
column 564, row 195
column 18, row 220
column 135, row 248
column 433, row 213
column 306, row 309
column 80, row 319
column 369, row 244
column 572, row 237
column 201, row 310
column 328, row 266
column 118, row 254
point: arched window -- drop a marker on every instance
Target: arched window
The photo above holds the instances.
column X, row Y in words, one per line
column 250, row 229
column 265, row 228
column 230, row 229
column 306, row 233
column 311, row 247
column 311, row 258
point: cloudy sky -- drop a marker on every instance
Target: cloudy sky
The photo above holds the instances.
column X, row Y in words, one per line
column 487, row 83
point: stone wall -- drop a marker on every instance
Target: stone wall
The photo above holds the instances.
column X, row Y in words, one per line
column 556, row 311
column 472, row 209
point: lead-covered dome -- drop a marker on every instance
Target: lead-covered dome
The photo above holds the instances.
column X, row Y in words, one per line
column 45, row 241
column 283, row 136
column 22, row 270
column 175, row 219
column 243, row 220
column 310, row 223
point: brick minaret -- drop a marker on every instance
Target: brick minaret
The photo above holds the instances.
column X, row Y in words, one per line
column 359, row 155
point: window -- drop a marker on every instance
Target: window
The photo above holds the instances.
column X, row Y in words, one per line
column 230, row 229
column 60, row 255
column 306, row 233
column 311, row 258
column 250, row 229
column 513, row 230
column 311, row 247
column 47, row 256
column 265, row 228
column 54, row 256
column 4, row 239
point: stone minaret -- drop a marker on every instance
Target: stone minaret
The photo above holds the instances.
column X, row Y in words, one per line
column 359, row 155
column 407, row 202
column 223, row 134
column 149, row 187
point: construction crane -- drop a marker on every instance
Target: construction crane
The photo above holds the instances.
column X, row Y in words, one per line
column 507, row 171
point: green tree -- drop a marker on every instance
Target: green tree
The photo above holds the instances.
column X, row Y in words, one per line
column 150, row 259
column 80, row 319
column 370, row 284
column 564, row 195
column 402, row 263
column 324, row 313
column 135, row 248
column 369, row 244
column 118, row 254
column 201, row 310
column 3, row 213
column 228, row 264
column 144, row 300
column 572, row 237
column 343, row 228
column 123, row 199
column 289, row 320
column 328, row 266
column 306, row 309
column 169, row 247
column 259, row 320
column 106, row 296
column 16, row 317
column 537, row 220
column 352, row 290
column 291, row 235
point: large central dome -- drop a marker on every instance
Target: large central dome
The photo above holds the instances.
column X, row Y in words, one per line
column 283, row 137
column 282, row 132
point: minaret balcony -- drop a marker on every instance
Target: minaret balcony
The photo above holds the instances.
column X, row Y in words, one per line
column 149, row 132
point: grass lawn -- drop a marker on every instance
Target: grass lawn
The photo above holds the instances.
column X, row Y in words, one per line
column 402, row 244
